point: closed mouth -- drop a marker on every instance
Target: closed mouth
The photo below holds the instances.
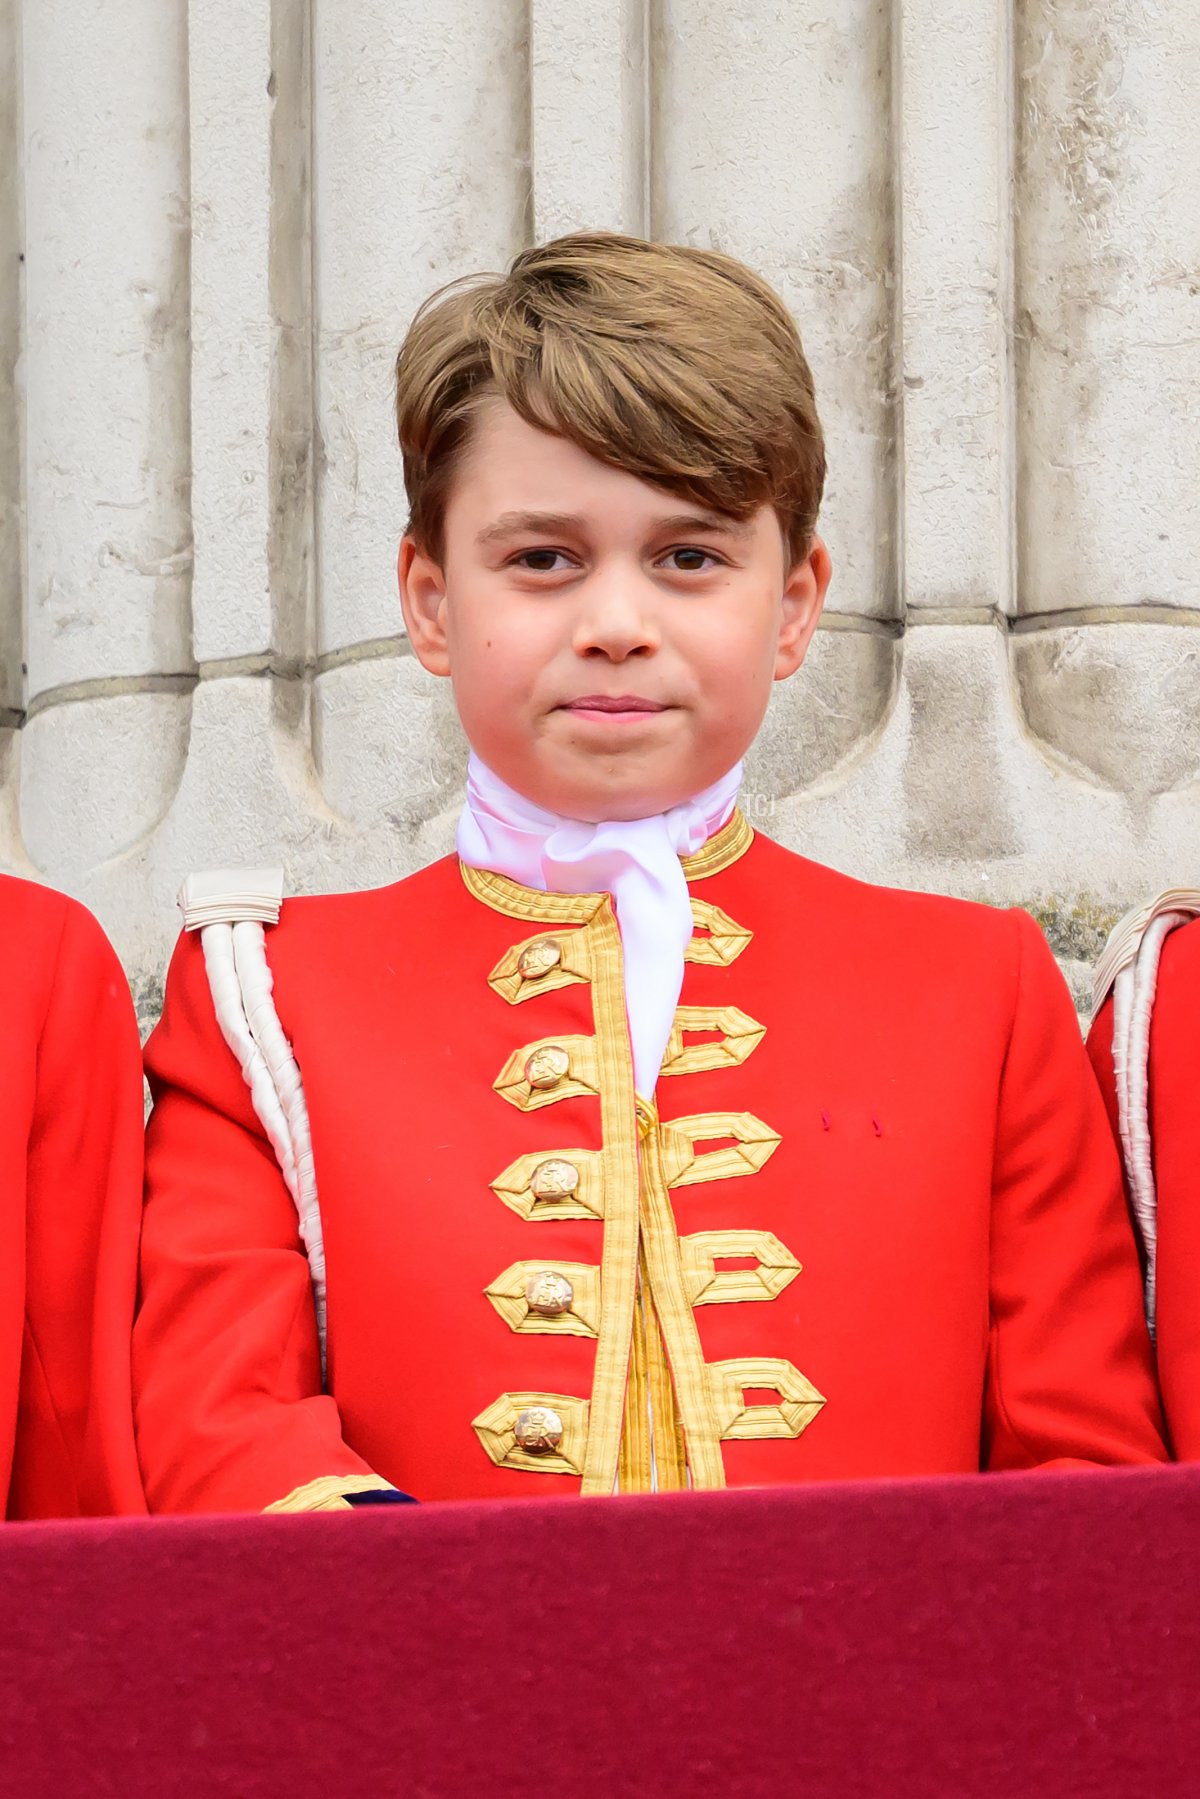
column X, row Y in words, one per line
column 612, row 703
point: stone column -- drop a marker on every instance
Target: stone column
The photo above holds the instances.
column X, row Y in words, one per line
column 107, row 452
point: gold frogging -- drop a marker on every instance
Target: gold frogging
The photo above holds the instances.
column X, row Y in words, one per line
column 640, row 1302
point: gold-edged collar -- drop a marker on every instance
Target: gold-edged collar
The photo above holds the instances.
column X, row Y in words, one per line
column 724, row 847
column 502, row 894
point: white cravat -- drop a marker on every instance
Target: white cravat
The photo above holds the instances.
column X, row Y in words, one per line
column 636, row 860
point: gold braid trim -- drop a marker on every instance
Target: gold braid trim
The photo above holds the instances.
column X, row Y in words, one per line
column 634, row 1466
column 670, row 1455
column 515, row 901
column 727, row 846
column 619, row 1159
column 328, row 1494
column 693, row 1398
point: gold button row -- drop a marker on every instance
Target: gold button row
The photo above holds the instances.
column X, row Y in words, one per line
column 539, row 1429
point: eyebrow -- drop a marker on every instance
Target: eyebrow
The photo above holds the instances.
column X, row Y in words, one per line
column 706, row 521
column 517, row 524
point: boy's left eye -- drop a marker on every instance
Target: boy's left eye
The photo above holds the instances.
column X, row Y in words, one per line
column 689, row 558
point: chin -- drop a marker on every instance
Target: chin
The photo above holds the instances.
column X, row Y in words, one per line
column 597, row 790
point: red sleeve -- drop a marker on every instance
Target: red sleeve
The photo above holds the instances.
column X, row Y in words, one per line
column 1099, row 1048
column 1069, row 1367
column 74, row 1447
column 1175, row 1133
column 227, row 1385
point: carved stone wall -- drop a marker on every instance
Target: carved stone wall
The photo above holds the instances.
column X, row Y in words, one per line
column 215, row 220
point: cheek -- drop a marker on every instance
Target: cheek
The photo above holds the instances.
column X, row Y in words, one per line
column 740, row 653
column 471, row 636
column 494, row 665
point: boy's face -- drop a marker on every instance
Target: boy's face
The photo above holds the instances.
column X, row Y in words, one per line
column 612, row 646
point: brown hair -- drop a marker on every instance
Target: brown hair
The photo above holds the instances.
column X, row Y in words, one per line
column 678, row 365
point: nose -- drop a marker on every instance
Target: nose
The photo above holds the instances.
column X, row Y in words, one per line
column 617, row 615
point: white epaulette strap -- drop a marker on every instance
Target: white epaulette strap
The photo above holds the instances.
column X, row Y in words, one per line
column 230, row 909
column 1128, row 968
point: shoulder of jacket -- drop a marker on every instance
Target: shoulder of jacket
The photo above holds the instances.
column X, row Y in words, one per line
column 898, row 909
column 946, row 942
column 1179, row 904
column 27, row 902
column 232, row 896
column 41, row 923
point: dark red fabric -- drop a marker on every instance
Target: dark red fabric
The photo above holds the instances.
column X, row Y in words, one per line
column 996, row 1635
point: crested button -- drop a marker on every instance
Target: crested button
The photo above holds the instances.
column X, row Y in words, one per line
column 549, row 1293
column 538, row 1430
column 539, row 959
column 547, row 1066
column 555, row 1178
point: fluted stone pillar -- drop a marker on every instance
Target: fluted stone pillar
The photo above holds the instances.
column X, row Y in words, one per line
column 217, row 217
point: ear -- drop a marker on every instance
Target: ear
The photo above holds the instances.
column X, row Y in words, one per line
column 803, row 597
column 423, row 602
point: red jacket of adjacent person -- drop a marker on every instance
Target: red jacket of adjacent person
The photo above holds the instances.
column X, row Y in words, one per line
column 70, row 1202
column 1174, row 1118
column 871, row 1225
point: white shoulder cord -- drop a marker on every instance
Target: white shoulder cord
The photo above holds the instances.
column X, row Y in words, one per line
column 229, row 910
column 1129, row 968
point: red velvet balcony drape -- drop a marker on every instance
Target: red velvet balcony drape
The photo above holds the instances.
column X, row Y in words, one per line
column 992, row 1636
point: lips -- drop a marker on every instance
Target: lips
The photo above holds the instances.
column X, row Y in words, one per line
column 609, row 702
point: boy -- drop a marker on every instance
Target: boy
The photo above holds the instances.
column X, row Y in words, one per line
column 71, row 1177
column 1145, row 1045
column 639, row 1152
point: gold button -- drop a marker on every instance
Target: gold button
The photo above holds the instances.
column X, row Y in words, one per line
column 547, row 1066
column 538, row 1430
column 539, row 959
column 556, row 1178
column 549, row 1293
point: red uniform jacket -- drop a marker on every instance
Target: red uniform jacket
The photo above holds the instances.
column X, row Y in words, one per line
column 1175, row 1133
column 872, row 1226
column 70, row 1196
